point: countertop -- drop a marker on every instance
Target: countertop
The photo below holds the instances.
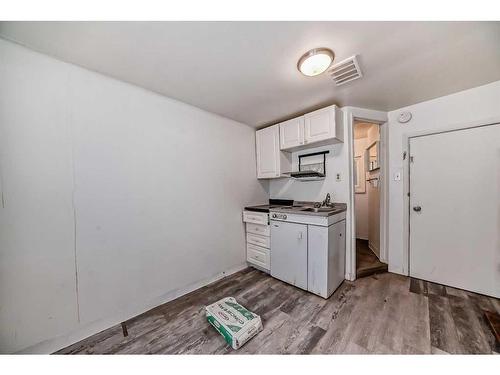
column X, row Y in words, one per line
column 305, row 208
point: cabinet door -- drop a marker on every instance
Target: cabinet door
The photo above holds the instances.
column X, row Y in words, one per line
column 292, row 133
column 326, row 258
column 336, row 256
column 317, row 261
column 320, row 125
column 289, row 253
column 268, row 152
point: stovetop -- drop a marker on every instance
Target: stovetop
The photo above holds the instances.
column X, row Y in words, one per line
column 273, row 203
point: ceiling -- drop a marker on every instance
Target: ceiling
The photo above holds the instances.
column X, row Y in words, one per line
column 247, row 71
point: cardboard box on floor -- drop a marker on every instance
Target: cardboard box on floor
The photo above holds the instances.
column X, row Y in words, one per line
column 234, row 322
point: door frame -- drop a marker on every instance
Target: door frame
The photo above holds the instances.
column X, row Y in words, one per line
column 406, row 173
column 352, row 114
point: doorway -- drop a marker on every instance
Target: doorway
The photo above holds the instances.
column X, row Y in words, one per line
column 367, row 173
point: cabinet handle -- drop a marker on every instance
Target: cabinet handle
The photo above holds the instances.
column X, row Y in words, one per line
column 299, row 236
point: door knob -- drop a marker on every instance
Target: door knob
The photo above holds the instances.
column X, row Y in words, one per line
column 417, row 208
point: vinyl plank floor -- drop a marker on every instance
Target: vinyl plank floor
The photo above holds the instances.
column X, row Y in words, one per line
column 380, row 313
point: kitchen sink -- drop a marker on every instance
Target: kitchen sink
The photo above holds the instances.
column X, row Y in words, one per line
column 328, row 210
column 320, row 209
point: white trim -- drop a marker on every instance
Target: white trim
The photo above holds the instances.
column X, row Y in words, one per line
column 406, row 174
column 384, row 193
column 374, row 250
column 368, row 115
column 57, row 343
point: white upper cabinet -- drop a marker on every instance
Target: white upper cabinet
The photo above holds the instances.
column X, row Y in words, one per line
column 318, row 128
column 292, row 133
column 271, row 162
column 323, row 125
column 275, row 143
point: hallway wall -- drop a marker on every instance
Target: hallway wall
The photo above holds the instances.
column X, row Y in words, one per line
column 361, row 199
column 373, row 192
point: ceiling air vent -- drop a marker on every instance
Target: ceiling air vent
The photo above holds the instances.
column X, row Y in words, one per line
column 346, row 71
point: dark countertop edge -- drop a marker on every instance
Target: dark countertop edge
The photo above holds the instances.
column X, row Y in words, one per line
column 272, row 202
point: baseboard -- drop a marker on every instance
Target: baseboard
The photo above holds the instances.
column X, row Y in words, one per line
column 350, row 276
column 55, row 344
column 397, row 270
column 258, row 268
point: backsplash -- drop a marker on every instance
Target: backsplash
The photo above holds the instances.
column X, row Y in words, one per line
column 336, row 162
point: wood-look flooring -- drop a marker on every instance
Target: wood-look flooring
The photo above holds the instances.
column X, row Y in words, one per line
column 383, row 313
column 367, row 262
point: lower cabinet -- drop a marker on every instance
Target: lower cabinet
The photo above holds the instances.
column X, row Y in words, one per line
column 289, row 255
column 326, row 258
column 258, row 239
column 308, row 255
column 259, row 256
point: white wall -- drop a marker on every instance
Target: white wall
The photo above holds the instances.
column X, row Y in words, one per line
column 477, row 105
column 116, row 199
column 373, row 192
column 361, row 199
column 37, row 258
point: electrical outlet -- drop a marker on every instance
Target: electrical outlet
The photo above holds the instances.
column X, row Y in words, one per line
column 338, row 177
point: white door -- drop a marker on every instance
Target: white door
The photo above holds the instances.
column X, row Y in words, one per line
column 320, row 125
column 455, row 209
column 289, row 253
column 292, row 133
column 268, row 152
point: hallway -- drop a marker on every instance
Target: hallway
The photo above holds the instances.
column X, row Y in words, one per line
column 367, row 262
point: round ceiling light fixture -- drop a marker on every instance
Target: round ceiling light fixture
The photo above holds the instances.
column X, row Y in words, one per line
column 315, row 61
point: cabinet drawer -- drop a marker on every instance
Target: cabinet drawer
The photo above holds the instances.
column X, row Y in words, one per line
column 262, row 230
column 255, row 217
column 255, row 239
column 259, row 256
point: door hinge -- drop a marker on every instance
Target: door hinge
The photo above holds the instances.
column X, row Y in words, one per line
column 411, row 159
column 404, row 155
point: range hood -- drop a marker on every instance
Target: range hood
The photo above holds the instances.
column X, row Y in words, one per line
column 307, row 175
column 311, row 169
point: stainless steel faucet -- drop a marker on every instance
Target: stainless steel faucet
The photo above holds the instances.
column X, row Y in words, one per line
column 327, row 202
